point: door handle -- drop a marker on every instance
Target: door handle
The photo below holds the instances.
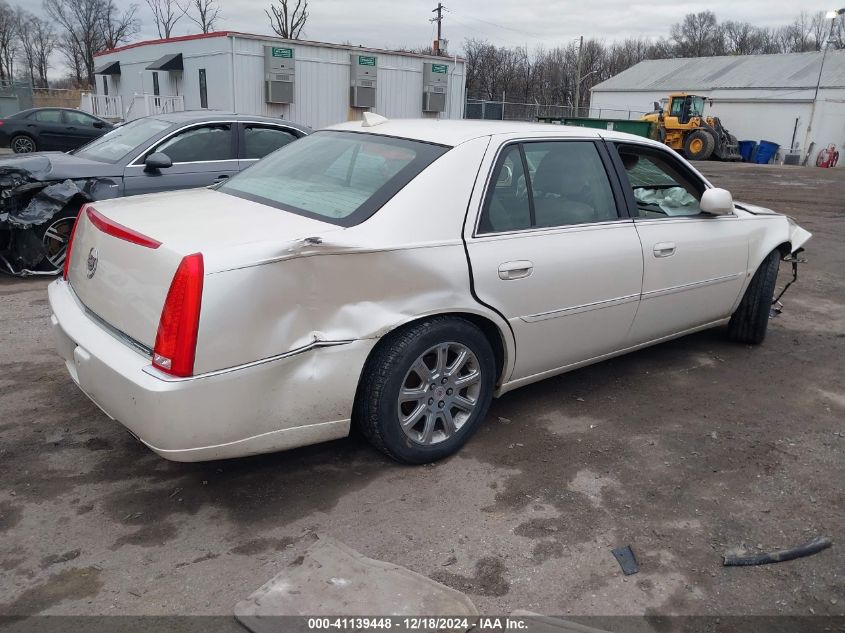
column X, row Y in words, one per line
column 515, row 270
column 664, row 249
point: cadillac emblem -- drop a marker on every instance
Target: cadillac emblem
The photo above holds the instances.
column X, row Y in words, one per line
column 93, row 258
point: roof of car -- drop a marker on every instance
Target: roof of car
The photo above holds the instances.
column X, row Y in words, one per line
column 198, row 116
column 455, row 132
column 30, row 110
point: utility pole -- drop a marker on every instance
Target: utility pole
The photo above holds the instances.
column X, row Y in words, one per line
column 806, row 149
column 578, row 78
column 439, row 20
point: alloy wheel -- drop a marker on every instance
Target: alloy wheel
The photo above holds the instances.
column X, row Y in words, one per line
column 23, row 145
column 439, row 393
column 55, row 240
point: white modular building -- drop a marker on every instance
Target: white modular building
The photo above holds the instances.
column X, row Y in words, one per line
column 312, row 83
column 757, row 97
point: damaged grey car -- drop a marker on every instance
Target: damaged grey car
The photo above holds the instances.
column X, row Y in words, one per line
column 41, row 193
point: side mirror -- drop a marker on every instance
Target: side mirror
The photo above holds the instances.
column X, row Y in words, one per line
column 99, row 125
column 717, row 202
column 157, row 160
column 657, row 107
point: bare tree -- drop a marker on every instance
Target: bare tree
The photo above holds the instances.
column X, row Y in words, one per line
column 549, row 77
column 88, row 27
column 44, row 39
column 203, row 13
column 117, row 27
column 75, row 60
column 8, row 40
column 698, row 35
column 288, row 23
column 27, row 46
column 166, row 13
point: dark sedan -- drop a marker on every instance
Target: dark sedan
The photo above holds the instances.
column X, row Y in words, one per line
column 43, row 192
column 43, row 129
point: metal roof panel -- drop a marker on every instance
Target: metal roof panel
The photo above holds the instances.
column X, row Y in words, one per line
column 789, row 70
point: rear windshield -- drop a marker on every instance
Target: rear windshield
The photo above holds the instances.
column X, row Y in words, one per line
column 337, row 177
column 117, row 143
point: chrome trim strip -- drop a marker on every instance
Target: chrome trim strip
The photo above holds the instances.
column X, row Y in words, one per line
column 134, row 162
column 584, row 226
column 696, row 284
column 160, row 375
column 587, row 307
column 121, row 336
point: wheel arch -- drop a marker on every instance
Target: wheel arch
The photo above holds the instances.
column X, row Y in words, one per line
column 757, row 256
column 496, row 331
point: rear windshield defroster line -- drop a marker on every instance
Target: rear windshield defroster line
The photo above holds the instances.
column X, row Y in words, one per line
column 338, row 177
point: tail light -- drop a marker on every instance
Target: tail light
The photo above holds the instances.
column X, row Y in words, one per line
column 176, row 340
column 70, row 242
column 110, row 227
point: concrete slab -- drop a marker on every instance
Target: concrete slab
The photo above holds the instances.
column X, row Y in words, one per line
column 332, row 579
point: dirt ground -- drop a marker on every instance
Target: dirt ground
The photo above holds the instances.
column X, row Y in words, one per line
column 682, row 451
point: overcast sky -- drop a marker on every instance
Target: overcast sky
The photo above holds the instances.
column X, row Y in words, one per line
column 392, row 23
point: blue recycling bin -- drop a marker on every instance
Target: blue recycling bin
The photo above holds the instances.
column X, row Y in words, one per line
column 746, row 150
column 766, row 152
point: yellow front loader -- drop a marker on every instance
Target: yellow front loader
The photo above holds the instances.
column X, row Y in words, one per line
column 684, row 128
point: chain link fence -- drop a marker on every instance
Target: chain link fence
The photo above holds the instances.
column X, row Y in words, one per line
column 515, row 111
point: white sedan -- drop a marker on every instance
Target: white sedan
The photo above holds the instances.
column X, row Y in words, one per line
column 397, row 275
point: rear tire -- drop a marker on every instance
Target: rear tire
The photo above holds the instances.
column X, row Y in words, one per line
column 23, row 144
column 751, row 319
column 699, row 145
column 425, row 389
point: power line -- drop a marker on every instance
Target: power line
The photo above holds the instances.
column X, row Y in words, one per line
column 501, row 26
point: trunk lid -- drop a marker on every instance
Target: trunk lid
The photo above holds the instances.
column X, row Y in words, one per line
column 125, row 284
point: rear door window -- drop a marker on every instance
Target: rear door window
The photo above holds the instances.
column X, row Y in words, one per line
column 566, row 184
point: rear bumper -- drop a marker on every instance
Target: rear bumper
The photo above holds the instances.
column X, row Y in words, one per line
column 297, row 400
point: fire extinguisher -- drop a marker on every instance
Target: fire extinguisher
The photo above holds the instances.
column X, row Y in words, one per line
column 828, row 157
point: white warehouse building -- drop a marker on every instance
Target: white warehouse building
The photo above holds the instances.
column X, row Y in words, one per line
column 757, row 97
column 312, row 83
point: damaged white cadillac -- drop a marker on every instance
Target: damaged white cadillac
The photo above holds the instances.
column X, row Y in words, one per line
column 397, row 275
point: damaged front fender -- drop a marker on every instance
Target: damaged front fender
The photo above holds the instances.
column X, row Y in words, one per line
column 27, row 204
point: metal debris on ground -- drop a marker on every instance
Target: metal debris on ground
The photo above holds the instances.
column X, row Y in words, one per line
column 626, row 559
column 817, row 544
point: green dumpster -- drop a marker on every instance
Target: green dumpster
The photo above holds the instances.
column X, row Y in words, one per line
column 638, row 128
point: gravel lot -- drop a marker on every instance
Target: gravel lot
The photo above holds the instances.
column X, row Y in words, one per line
column 683, row 451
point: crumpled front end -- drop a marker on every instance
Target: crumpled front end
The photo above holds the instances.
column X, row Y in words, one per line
column 28, row 202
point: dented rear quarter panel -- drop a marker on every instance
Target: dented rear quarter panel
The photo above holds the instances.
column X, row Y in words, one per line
column 360, row 282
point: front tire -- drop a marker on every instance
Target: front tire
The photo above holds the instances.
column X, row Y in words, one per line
column 751, row 319
column 425, row 389
column 699, row 145
column 23, row 144
column 54, row 235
